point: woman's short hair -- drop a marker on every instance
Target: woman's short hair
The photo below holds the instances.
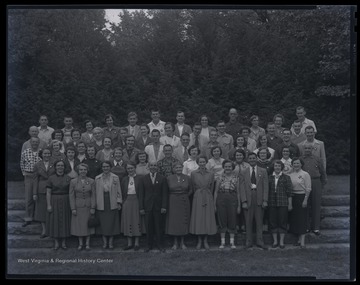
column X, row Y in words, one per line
column 109, row 116
column 98, row 129
column 141, row 153
column 201, row 156
column 235, row 142
column 192, row 147
column 145, row 125
column 176, row 164
column 132, row 163
column 88, row 121
column 297, row 158
column 279, row 116
column 268, row 154
column 107, row 138
column 245, row 128
column 171, row 124
column 57, row 161
column 277, row 161
column 253, row 117
column 81, row 142
column 70, row 148
column 117, row 149
column 215, row 147
column 239, row 151
column 57, row 131
column 82, row 165
column 259, row 139
column 228, row 161
column 41, row 151
column 107, row 162
column 75, row 130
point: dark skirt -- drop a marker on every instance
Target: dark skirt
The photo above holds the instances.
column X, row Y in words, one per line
column 298, row 215
column 178, row 217
column 79, row 223
column 132, row 224
column 278, row 219
column 40, row 208
column 109, row 219
column 58, row 222
column 226, row 206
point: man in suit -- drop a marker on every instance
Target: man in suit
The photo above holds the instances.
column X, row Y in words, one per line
column 249, row 142
column 133, row 128
column 318, row 146
column 180, row 126
column 294, row 149
column 196, row 138
column 273, row 140
column 181, row 152
column 254, row 192
column 129, row 152
column 153, row 202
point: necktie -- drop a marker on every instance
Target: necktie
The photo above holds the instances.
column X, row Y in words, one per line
column 186, row 155
column 253, row 178
column 196, row 141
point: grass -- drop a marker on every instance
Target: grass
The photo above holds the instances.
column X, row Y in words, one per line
column 332, row 263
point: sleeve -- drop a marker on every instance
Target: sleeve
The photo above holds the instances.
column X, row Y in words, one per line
column 185, row 168
column 297, row 150
column 72, row 194
column 191, row 189
column 93, row 195
column 118, row 191
column 212, row 181
column 165, row 191
column 141, row 193
column 22, row 161
column 242, row 187
column 98, row 155
column 289, row 186
column 266, row 187
column 323, row 155
column 307, row 182
column 323, row 176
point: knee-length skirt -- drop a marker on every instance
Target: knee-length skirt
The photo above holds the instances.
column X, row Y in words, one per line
column 132, row 223
column 109, row 219
column 298, row 216
column 40, row 208
column 79, row 223
column 58, row 222
column 178, row 217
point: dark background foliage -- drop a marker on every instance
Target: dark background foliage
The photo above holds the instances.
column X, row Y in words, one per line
column 63, row 61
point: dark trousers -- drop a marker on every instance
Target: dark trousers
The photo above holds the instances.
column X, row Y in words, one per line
column 254, row 212
column 29, row 202
column 278, row 218
column 153, row 223
column 314, row 204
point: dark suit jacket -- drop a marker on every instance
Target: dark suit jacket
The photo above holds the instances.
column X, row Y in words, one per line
column 68, row 167
column 139, row 143
column 125, row 183
column 262, row 186
column 137, row 131
column 153, row 196
column 186, row 129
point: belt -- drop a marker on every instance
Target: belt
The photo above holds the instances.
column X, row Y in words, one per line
column 253, row 189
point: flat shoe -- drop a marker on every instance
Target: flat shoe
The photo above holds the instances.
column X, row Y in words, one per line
column 296, row 244
column 43, row 236
column 111, row 246
column 233, row 246
column 104, row 246
column 136, row 247
column 302, row 246
column 64, row 247
column 26, row 224
column 87, row 247
column 127, row 248
column 282, row 246
column 80, row 247
column 56, row 247
column 274, row 245
column 317, row 232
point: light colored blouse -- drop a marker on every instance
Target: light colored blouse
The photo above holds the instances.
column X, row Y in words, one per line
column 189, row 166
column 131, row 186
column 301, row 181
column 215, row 166
column 287, row 166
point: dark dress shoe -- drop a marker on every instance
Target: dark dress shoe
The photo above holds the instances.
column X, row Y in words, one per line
column 248, row 246
column 64, row 247
column 296, row 244
column 147, row 249
column 316, row 232
column 128, row 247
column 282, row 246
column 56, row 247
column 136, row 247
column 43, row 236
column 262, row 246
column 274, row 245
column 26, row 224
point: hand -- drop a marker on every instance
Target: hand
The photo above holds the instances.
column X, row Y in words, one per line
column 239, row 209
column 264, row 204
column 290, row 207
column 49, row 209
column 119, row 206
column 304, row 203
column 142, row 212
column 244, row 205
column 163, row 211
column 74, row 212
column 92, row 211
column 35, row 197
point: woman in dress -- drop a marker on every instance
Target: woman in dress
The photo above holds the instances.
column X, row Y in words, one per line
column 75, row 138
column 93, row 164
column 202, row 221
column 82, row 204
column 98, row 139
column 58, row 218
column 144, row 139
column 240, row 163
column 264, row 159
column 280, row 202
column 227, row 202
column 190, row 165
column 106, row 154
column 142, row 167
column 255, row 130
column 205, row 128
column 286, row 160
column 108, row 203
column 214, row 164
column 278, row 121
column 301, row 182
column 263, row 143
column 178, row 215
column 56, row 147
column 71, row 162
column 88, row 136
column 131, row 222
column 42, row 171
column 118, row 167
column 239, row 144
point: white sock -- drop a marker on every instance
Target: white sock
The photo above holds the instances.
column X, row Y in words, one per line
column 231, row 240
column 222, row 240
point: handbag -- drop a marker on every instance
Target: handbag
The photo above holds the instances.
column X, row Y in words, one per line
column 93, row 221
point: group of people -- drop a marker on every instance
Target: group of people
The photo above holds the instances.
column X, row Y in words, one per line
column 160, row 178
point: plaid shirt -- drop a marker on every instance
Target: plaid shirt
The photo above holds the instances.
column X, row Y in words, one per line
column 278, row 196
column 166, row 166
column 28, row 160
